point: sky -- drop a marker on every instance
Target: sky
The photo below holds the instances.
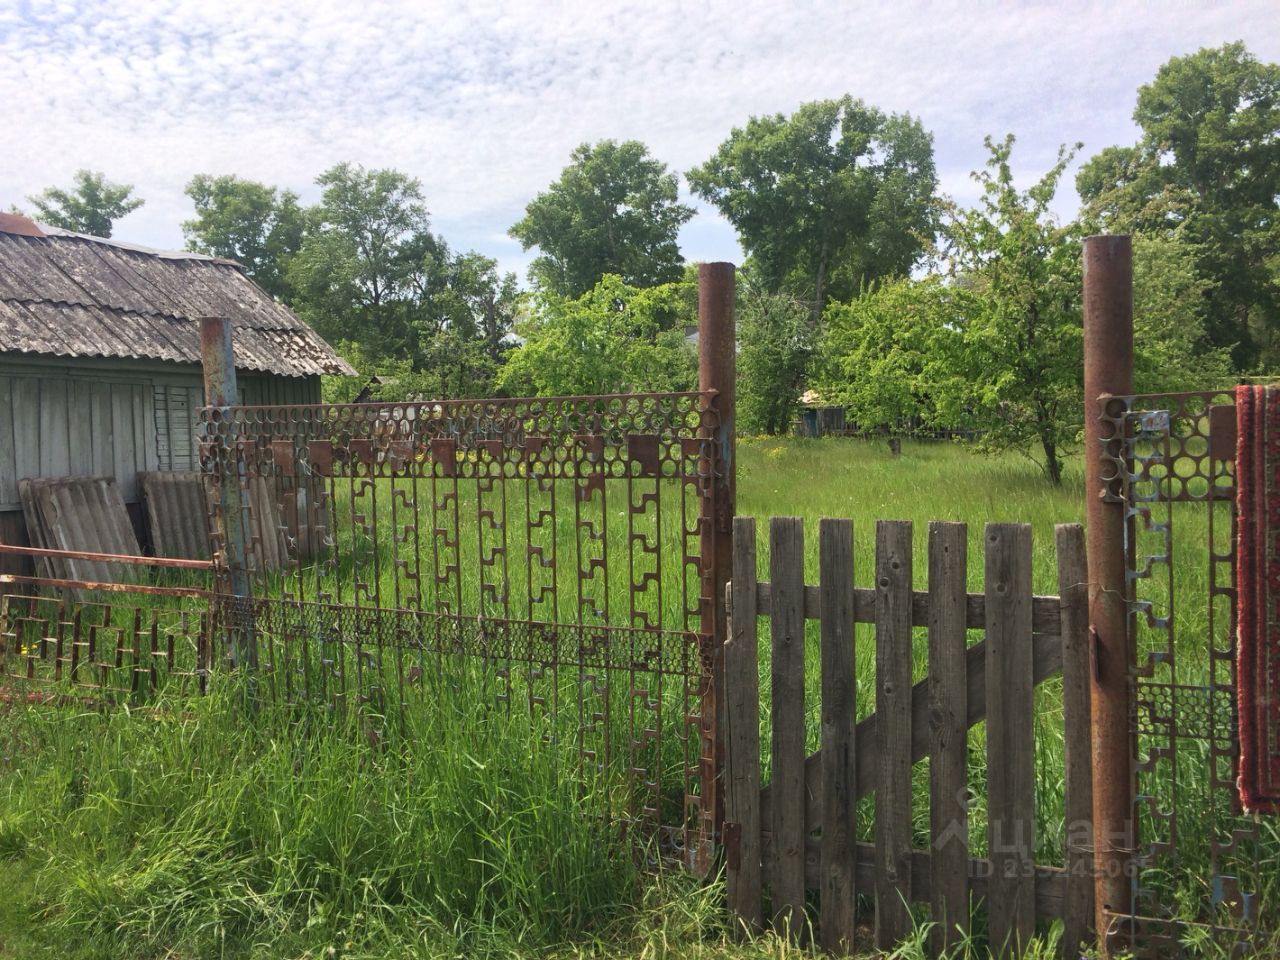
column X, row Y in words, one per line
column 484, row 101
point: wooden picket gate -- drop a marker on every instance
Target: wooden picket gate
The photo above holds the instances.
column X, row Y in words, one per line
column 797, row 835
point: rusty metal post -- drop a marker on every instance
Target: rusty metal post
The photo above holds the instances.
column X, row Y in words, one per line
column 1108, row 369
column 717, row 371
column 220, row 392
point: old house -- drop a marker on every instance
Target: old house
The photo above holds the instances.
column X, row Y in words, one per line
column 100, row 357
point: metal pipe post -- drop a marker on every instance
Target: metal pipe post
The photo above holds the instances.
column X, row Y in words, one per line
column 229, row 527
column 717, row 371
column 1108, row 370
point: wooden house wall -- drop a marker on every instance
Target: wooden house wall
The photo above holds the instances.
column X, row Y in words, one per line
column 102, row 417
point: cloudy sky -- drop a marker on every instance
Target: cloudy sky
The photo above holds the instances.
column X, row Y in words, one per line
column 484, row 101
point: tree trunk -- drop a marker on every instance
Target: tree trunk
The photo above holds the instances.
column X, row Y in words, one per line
column 1052, row 465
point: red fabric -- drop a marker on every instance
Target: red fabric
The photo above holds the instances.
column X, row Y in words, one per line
column 1258, row 596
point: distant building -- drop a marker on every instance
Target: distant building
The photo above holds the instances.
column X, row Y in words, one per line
column 817, row 418
column 100, row 357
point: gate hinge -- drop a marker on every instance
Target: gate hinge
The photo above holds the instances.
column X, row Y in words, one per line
column 731, row 837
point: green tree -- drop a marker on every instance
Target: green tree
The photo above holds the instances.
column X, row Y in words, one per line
column 613, row 210
column 1208, row 163
column 828, row 200
column 254, row 224
column 371, row 272
column 92, row 206
column 1172, row 351
column 1017, row 365
column 888, row 354
column 367, row 247
column 775, row 346
column 615, row 338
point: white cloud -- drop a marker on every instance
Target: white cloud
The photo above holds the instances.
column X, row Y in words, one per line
column 484, row 101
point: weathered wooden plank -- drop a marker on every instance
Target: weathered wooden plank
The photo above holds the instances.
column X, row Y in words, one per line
column 742, row 738
column 1073, row 587
column 124, row 461
column 836, row 903
column 103, row 439
column 893, row 707
column 8, row 453
column 1044, row 609
column 1050, row 882
column 786, row 569
column 1010, row 742
column 1047, row 653
column 146, row 421
column 54, row 451
column 26, row 435
column 80, row 428
column 948, row 756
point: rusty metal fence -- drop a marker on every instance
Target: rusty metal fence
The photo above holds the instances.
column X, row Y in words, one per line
column 573, row 549
column 1203, row 872
column 560, row 541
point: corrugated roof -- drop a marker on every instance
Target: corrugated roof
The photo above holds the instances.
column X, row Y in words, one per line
column 72, row 295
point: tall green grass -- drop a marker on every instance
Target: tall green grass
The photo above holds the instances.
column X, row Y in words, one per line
column 465, row 828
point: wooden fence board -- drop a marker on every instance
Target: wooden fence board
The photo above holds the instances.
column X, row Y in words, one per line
column 1073, row 586
column 1010, row 740
column 1047, row 652
column 742, row 738
column 836, row 903
column 786, row 571
column 893, row 707
column 809, row 808
column 948, row 714
column 1044, row 610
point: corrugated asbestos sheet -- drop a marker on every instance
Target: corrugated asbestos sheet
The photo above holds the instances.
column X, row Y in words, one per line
column 177, row 514
column 84, row 514
column 76, row 296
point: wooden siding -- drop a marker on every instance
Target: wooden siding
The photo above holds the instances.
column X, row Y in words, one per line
column 103, row 418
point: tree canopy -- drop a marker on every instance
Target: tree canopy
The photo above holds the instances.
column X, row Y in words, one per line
column 91, row 206
column 1018, row 366
column 257, row 225
column 613, row 210
column 615, row 338
column 828, row 200
column 1208, row 164
column 371, row 272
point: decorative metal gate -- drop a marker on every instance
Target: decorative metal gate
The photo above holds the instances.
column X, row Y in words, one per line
column 1204, row 874
column 561, row 541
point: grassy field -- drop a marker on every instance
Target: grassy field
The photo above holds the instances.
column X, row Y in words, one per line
column 185, row 832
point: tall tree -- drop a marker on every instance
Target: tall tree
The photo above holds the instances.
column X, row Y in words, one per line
column 614, row 338
column 360, row 269
column 775, row 347
column 92, row 206
column 250, row 222
column 370, row 274
column 613, row 210
column 1018, row 366
column 1208, row 162
column 888, row 355
column 828, row 200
